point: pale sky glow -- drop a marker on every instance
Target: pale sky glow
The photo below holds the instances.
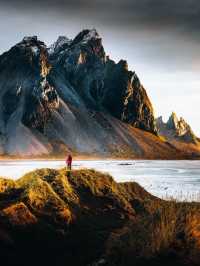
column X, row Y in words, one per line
column 160, row 42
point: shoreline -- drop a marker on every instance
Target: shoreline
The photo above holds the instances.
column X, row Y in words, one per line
column 96, row 158
column 4, row 159
column 93, row 159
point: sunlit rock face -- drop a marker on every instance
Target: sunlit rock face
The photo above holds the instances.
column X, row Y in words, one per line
column 70, row 95
column 126, row 98
column 172, row 122
column 27, row 98
column 179, row 125
column 103, row 84
column 42, row 99
column 176, row 128
column 82, row 63
column 39, row 105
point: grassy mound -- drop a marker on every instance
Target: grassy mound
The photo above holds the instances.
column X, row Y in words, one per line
column 51, row 217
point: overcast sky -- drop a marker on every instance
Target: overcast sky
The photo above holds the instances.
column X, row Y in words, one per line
column 160, row 39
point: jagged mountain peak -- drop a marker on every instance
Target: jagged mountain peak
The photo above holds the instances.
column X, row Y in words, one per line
column 176, row 128
column 178, row 124
column 85, row 48
column 173, row 115
column 123, row 64
column 25, row 53
column 172, row 122
column 86, row 35
column 62, row 39
column 159, row 123
column 89, row 42
column 160, row 119
column 31, row 42
column 61, row 43
column 29, row 39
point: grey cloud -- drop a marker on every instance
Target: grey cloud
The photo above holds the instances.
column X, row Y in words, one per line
column 159, row 38
column 154, row 30
column 181, row 16
column 143, row 11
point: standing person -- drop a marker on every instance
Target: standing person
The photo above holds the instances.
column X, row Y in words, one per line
column 69, row 162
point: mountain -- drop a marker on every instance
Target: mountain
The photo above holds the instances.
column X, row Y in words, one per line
column 49, row 217
column 72, row 97
column 178, row 132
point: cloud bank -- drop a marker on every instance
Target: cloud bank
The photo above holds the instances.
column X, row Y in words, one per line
column 159, row 38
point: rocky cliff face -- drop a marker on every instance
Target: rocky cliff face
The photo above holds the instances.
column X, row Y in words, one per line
column 72, row 96
column 26, row 96
column 176, row 128
column 103, row 84
column 126, row 98
column 49, row 217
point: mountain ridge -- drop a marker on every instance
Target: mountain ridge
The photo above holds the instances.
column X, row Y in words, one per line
column 178, row 128
column 72, row 97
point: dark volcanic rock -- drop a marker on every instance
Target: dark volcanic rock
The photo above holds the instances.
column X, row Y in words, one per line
column 126, row 98
column 82, row 64
column 73, row 95
column 39, row 105
column 104, row 84
column 27, row 98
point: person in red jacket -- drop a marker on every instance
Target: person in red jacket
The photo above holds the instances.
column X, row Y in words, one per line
column 69, row 162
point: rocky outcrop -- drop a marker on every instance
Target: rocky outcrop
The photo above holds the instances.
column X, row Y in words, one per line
column 27, row 97
column 42, row 97
column 126, row 98
column 102, row 83
column 39, row 105
column 51, row 217
column 173, row 122
column 82, row 63
column 177, row 129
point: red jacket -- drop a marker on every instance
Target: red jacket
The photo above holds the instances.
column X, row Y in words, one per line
column 69, row 159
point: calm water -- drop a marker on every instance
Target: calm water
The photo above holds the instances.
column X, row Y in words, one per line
column 177, row 179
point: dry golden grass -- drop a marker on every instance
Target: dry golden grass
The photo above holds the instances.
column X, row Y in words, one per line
column 39, row 193
column 19, row 214
column 127, row 222
column 6, row 185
